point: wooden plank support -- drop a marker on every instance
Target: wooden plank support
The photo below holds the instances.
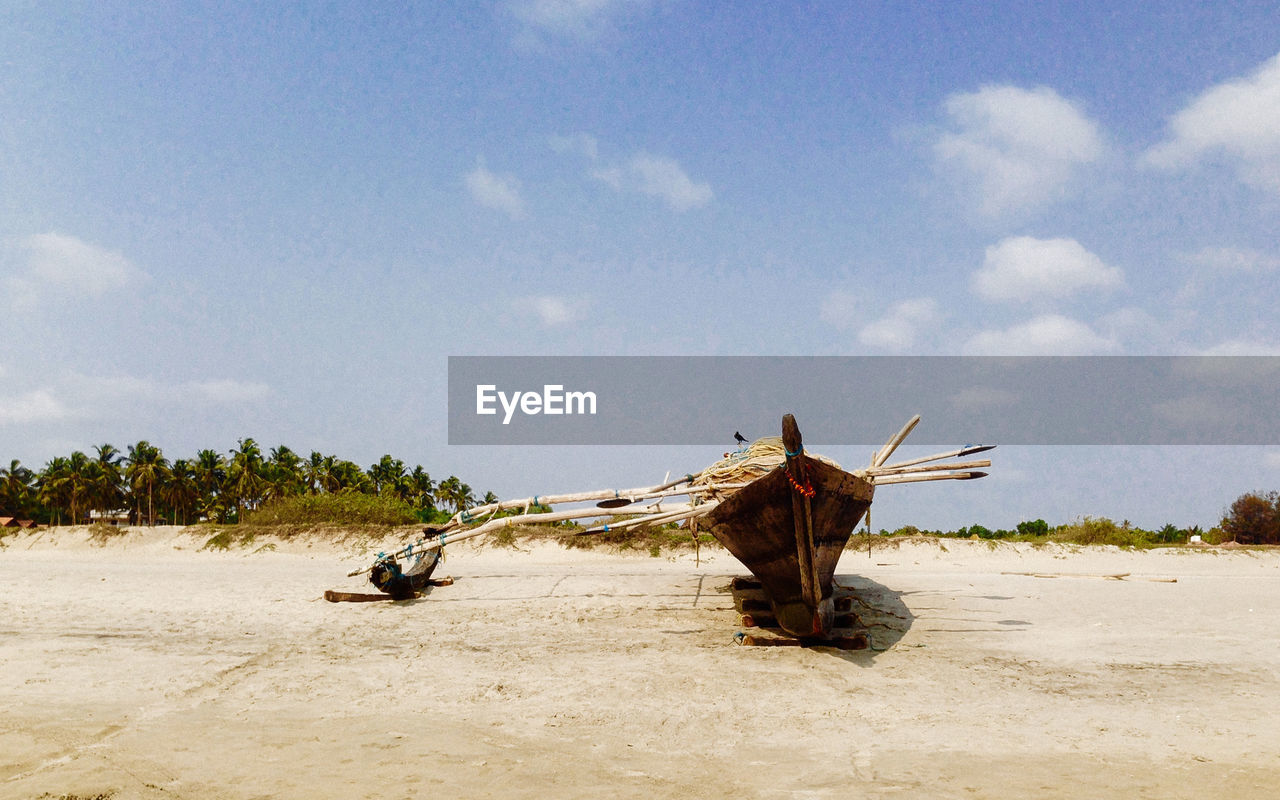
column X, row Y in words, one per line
column 356, row 597
column 757, row 640
column 855, row 641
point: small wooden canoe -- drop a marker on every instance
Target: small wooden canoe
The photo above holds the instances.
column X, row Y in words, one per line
column 790, row 528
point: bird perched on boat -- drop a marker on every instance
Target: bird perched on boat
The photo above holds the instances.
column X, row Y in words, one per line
column 741, row 439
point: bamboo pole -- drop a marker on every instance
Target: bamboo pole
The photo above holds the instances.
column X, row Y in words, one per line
column 647, row 493
column 469, row 514
column 949, row 476
column 882, row 455
column 687, row 512
column 967, row 450
column 982, row 462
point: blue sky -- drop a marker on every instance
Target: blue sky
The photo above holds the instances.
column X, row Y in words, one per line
column 226, row 220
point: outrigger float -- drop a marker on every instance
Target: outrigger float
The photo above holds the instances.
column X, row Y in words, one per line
column 784, row 513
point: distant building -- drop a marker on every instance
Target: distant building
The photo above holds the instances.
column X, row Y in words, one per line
column 120, row 517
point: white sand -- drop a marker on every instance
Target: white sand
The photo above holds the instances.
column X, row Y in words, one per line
column 144, row 668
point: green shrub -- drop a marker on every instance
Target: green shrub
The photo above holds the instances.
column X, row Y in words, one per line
column 1100, row 530
column 224, row 539
column 341, row 508
column 1035, row 527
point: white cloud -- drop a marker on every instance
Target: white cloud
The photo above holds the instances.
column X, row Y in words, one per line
column 1023, row 267
column 1047, row 335
column 1238, row 119
column 1233, row 259
column 499, row 192
column 1241, row 347
column 664, row 178
column 656, row 176
column 1016, row 147
column 58, row 263
column 898, row 329
column 38, row 405
column 576, row 19
column 552, row 310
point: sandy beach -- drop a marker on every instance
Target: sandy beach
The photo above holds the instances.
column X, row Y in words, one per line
column 143, row 667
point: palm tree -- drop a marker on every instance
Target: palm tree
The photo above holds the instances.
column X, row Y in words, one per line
column 107, row 493
column 389, row 477
column 16, row 488
column 210, row 474
column 145, row 467
column 347, row 476
column 313, row 472
column 74, row 483
column 244, row 479
column 423, row 488
column 284, row 474
column 331, row 480
column 51, row 487
column 182, row 491
column 456, row 493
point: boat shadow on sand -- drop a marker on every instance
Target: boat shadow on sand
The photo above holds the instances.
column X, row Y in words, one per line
column 878, row 610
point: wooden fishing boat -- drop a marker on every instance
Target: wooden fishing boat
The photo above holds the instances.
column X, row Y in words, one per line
column 785, row 514
column 790, row 528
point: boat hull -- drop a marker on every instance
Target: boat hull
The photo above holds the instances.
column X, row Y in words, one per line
column 791, row 541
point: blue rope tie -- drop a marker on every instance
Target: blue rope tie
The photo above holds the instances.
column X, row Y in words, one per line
column 796, row 453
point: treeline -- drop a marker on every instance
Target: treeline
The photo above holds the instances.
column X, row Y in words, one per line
column 1253, row 518
column 210, row 486
column 1089, row 530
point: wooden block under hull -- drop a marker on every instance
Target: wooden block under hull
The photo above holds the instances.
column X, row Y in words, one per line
column 846, row 633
